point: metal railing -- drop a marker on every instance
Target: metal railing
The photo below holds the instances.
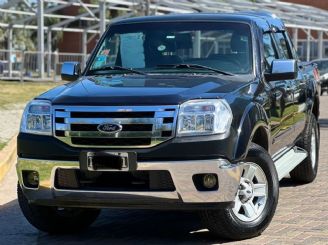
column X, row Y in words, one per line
column 23, row 65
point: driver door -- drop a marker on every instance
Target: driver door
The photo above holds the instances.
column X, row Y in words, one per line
column 281, row 96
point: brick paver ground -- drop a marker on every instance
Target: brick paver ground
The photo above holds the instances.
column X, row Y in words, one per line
column 301, row 217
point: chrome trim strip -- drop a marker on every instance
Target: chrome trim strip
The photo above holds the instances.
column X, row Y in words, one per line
column 122, row 134
column 164, row 114
column 167, row 127
column 116, row 108
column 62, row 126
column 110, row 120
column 62, row 114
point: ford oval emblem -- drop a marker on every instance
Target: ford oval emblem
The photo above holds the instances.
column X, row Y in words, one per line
column 109, row 128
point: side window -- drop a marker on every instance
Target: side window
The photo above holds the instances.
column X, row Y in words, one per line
column 291, row 45
column 283, row 45
column 270, row 53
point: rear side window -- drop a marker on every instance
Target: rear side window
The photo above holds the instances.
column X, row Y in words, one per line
column 270, row 53
column 282, row 45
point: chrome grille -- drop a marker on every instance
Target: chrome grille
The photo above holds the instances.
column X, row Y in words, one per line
column 142, row 126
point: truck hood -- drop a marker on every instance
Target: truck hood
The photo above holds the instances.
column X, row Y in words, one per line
column 143, row 90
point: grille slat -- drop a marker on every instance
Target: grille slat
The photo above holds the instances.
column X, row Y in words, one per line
column 111, row 141
column 62, row 114
column 110, row 120
column 62, row 127
column 126, row 127
column 122, row 134
column 142, row 126
column 112, row 114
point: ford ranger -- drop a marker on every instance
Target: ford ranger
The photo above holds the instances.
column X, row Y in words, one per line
column 203, row 112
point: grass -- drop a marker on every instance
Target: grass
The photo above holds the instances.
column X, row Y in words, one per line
column 19, row 93
column 2, row 145
column 12, row 93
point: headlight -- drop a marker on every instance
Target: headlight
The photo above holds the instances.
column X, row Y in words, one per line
column 36, row 118
column 204, row 117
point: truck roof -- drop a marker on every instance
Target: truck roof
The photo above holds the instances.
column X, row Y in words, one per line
column 265, row 20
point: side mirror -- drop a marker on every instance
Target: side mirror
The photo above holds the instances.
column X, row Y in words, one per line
column 282, row 70
column 70, row 71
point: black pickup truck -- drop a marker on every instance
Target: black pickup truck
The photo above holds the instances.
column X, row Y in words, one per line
column 203, row 112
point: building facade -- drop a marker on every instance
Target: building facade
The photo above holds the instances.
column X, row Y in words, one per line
column 71, row 42
column 302, row 37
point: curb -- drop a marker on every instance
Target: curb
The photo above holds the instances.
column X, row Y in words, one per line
column 7, row 157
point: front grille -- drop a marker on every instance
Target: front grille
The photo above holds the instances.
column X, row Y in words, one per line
column 142, row 126
column 74, row 179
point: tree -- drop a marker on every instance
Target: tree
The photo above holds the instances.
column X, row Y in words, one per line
column 25, row 39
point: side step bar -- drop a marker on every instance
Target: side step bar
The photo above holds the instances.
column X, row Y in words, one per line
column 288, row 160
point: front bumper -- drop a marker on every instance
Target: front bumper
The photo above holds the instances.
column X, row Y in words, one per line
column 186, row 196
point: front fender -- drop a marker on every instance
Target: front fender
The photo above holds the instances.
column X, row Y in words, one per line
column 254, row 117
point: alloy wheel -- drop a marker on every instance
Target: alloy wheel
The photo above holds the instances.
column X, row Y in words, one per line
column 252, row 194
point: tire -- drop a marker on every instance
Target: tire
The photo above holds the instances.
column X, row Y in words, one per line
column 55, row 220
column 306, row 171
column 229, row 223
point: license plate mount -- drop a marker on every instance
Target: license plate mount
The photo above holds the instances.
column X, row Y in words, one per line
column 107, row 161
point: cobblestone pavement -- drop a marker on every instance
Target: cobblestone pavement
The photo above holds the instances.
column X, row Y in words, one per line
column 301, row 217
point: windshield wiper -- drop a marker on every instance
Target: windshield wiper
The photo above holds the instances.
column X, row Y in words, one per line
column 194, row 66
column 118, row 68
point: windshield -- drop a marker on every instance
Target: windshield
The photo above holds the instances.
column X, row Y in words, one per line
column 153, row 47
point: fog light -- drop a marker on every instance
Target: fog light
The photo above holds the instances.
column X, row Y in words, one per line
column 206, row 182
column 209, row 181
column 31, row 178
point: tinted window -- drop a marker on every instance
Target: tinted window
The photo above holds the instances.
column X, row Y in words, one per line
column 282, row 45
column 270, row 53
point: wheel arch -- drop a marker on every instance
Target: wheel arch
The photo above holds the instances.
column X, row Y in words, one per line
column 315, row 107
column 260, row 137
column 253, row 128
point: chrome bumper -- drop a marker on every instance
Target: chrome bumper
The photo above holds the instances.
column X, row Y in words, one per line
column 181, row 172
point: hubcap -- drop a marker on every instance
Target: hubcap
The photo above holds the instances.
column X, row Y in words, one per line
column 252, row 194
column 313, row 148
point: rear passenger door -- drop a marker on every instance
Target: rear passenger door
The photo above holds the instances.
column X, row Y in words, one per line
column 281, row 109
column 298, row 85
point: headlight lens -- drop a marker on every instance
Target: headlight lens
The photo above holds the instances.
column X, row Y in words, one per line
column 37, row 118
column 204, row 117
